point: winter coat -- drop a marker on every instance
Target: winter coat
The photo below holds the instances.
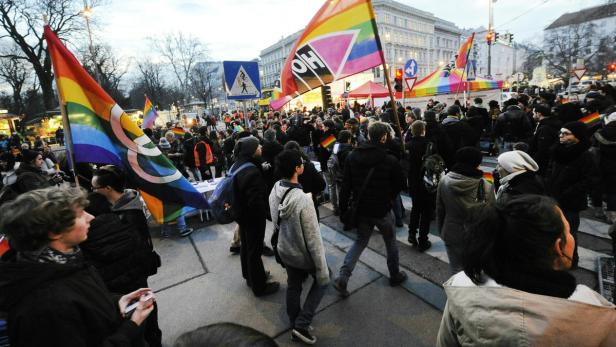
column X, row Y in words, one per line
column 417, row 150
column 460, row 133
column 61, row 305
column 385, row 183
column 299, row 241
column 176, row 153
column 482, row 117
column 513, row 125
column 606, row 138
column 188, row 150
column 323, row 153
column 341, row 151
column 114, row 248
column 527, row 182
column 436, row 135
column 572, row 175
column 546, row 136
column 456, row 196
column 269, row 151
column 30, row 178
column 129, row 209
column 494, row 315
column 250, row 187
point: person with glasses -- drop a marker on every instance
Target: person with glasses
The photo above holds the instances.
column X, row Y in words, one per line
column 572, row 174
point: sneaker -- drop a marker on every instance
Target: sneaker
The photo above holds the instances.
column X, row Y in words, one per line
column 413, row 240
column 270, row 288
column 268, row 252
column 186, row 232
column 303, row 335
column 235, row 249
column 341, row 287
column 423, row 246
column 399, row 278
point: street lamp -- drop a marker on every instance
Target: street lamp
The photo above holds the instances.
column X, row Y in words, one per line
column 87, row 13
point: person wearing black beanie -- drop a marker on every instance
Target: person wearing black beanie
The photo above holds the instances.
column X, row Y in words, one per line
column 572, row 174
column 460, row 192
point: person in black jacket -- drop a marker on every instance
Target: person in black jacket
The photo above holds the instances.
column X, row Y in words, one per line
column 572, row 174
column 459, row 132
column 189, row 156
column 545, row 136
column 606, row 139
column 52, row 297
column 517, row 173
column 424, row 202
column 271, row 148
column 311, row 180
column 110, row 181
column 374, row 206
column 436, row 135
column 29, row 174
column 250, row 188
column 512, row 125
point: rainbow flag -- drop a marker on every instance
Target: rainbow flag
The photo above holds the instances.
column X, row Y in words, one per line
column 4, row 245
column 591, row 119
column 340, row 40
column 488, row 177
column 179, row 131
column 464, row 52
column 102, row 132
column 328, row 141
column 149, row 114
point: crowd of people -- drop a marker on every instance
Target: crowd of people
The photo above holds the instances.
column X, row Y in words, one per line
column 510, row 234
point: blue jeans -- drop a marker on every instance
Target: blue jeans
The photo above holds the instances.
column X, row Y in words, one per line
column 398, row 209
column 364, row 230
column 301, row 317
column 180, row 225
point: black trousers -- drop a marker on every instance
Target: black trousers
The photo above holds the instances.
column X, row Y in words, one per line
column 151, row 332
column 252, row 234
column 573, row 217
column 422, row 213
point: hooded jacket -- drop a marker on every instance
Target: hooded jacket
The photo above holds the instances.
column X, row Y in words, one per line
column 460, row 133
column 455, row 196
column 546, row 135
column 61, row 305
column 494, row 315
column 513, row 125
column 130, row 210
column 299, row 240
column 384, row 185
column 30, row 178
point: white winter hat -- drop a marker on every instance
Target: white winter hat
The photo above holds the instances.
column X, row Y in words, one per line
column 514, row 161
column 610, row 118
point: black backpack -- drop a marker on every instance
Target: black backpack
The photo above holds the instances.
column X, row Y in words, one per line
column 432, row 169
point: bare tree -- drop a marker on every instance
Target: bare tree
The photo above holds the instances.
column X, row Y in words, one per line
column 201, row 82
column 152, row 80
column 100, row 61
column 22, row 22
column 182, row 53
column 15, row 73
column 562, row 48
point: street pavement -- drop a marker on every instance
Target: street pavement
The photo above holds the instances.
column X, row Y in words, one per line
column 200, row 283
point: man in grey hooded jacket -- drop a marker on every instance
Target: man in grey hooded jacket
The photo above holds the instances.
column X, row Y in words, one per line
column 299, row 243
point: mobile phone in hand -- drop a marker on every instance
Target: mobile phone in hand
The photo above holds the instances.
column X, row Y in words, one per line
column 130, row 308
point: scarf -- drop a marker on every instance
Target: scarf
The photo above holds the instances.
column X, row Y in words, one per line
column 50, row 255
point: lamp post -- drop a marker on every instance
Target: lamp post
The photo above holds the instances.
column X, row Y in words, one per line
column 87, row 13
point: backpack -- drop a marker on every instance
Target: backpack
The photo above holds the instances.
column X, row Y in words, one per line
column 333, row 166
column 209, row 157
column 223, row 200
column 432, row 169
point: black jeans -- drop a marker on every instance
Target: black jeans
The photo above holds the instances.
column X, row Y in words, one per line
column 252, row 234
column 422, row 213
column 301, row 317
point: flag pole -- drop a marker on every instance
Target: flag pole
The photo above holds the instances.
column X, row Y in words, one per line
column 386, row 72
column 468, row 52
column 65, row 123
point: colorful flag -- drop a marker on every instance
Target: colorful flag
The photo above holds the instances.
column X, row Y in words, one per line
column 102, row 133
column 591, row 119
column 464, row 52
column 488, row 177
column 4, row 245
column 149, row 114
column 328, row 141
column 179, row 131
column 340, row 40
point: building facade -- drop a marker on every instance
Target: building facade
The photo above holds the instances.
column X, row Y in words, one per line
column 405, row 32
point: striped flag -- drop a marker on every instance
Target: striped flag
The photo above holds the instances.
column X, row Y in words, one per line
column 102, row 132
column 328, row 141
column 340, row 40
column 464, row 51
column 591, row 119
column 149, row 114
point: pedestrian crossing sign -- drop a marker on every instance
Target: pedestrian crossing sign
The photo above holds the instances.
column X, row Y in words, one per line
column 242, row 80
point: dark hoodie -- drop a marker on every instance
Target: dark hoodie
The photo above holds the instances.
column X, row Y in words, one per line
column 546, row 135
column 30, row 178
column 385, row 183
column 52, row 304
column 606, row 138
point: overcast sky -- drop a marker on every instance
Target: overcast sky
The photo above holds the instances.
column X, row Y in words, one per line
column 240, row 29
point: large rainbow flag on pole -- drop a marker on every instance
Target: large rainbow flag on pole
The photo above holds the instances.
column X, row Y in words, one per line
column 102, row 133
column 340, row 40
column 149, row 114
column 464, row 51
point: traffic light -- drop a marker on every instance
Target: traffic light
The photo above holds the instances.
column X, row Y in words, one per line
column 326, row 95
column 612, row 67
column 398, row 80
column 489, row 37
